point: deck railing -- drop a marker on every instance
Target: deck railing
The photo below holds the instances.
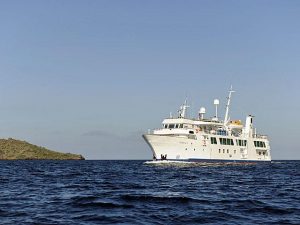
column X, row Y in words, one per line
column 260, row 136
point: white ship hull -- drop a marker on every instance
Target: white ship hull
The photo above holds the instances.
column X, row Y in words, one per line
column 201, row 149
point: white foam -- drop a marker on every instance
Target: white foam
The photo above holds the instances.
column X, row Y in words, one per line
column 167, row 162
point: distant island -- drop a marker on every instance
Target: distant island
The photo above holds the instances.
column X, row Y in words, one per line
column 12, row 149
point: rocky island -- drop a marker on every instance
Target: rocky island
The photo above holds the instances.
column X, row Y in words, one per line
column 12, row 149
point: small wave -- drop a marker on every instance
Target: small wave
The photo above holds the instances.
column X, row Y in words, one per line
column 107, row 205
column 13, row 214
column 150, row 198
column 99, row 218
column 92, row 201
column 245, row 202
column 83, row 198
column 273, row 210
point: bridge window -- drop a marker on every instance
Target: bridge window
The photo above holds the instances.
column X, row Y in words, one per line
column 221, row 140
column 213, row 140
column 226, row 141
column 260, row 144
column 171, row 126
column 241, row 142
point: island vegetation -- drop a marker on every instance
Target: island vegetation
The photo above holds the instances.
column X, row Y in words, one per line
column 12, row 149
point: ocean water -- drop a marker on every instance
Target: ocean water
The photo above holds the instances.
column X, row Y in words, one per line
column 132, row 192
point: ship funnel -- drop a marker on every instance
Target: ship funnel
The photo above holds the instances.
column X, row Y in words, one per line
column 202, row 112
column 249, row 126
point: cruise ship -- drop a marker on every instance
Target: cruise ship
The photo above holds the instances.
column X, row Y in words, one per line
column 208, row 139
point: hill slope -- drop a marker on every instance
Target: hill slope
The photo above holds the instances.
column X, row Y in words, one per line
column 11, row 149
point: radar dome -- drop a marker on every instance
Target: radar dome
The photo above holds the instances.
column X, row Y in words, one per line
column 216, row 102
column 202, row 110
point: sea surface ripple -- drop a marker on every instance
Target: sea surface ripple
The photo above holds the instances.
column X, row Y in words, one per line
column 132, row 192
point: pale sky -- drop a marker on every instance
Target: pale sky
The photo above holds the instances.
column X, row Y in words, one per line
column 90, row 77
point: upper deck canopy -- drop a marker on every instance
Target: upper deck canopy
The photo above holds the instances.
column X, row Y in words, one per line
column 198, row 122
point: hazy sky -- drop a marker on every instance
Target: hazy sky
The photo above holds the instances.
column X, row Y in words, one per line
column 90, row 77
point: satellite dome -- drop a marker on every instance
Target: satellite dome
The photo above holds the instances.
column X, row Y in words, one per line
column 202, row 110
column 216, row 102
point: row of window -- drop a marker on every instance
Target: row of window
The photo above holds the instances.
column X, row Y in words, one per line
column 264, row 153
column 226, row 141
column 171, row 126
column 259, row 144
column 223, row 141
column 226, row 151
column 241, row 142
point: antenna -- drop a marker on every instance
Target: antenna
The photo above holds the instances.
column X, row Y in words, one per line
column 183, row 109
column 228, row 105
column 216, row 103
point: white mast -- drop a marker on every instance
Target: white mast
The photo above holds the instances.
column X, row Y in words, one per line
column 183, row 109
column 227, row 106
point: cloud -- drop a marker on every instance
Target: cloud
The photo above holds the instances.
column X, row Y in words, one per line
column 109, row 145
column 98, row 133
column 135, row 136
column 131, row 136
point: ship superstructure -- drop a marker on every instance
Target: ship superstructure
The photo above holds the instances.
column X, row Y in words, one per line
column 205, row 139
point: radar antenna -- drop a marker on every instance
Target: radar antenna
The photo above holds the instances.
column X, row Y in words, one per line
column 183, row 108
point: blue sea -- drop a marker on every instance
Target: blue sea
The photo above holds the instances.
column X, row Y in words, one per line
column 132, row 192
